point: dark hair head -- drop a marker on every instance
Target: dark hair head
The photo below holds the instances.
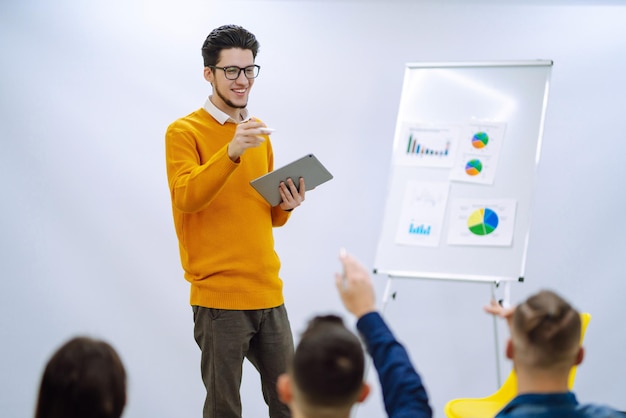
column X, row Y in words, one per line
column 546, row 331
column 227, row 37
column 328, row 363
column 84, row 378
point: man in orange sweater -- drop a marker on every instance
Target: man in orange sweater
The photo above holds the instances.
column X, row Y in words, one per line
column 224, row 229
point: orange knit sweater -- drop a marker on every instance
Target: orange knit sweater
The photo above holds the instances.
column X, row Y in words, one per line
column 224, row 226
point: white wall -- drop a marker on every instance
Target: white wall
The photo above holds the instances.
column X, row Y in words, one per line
column 88, row 245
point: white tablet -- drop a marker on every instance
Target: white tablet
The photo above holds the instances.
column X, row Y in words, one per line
column 307, row 167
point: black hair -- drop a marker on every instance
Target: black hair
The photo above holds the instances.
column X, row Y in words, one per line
column 84, row 378
column 227, row 37
column 329, row 363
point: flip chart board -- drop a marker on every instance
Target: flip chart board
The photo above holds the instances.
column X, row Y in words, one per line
column 465, row 153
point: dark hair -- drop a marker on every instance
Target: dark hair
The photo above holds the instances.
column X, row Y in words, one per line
column 84, row 378
column 546, row 329
column 329, row 362
column 227, row 37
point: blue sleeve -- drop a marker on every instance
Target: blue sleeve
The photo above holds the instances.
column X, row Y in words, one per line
column 403, row 392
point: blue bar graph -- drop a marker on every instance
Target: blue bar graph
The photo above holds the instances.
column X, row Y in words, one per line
column 418, row 149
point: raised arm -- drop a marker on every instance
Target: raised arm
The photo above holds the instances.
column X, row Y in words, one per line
column 404, row 394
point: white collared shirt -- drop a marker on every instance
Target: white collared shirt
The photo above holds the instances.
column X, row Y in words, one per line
column 222, row 117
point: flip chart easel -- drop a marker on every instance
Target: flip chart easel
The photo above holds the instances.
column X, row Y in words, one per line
column 442, row 100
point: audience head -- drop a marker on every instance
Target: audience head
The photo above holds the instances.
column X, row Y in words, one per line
column 545, row 334
column 325, row 375
column 84, row 378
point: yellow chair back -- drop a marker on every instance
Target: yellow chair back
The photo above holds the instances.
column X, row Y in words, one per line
column 489, row 406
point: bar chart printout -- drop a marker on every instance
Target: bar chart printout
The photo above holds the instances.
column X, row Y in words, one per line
column 422, row 214
column 427, row 146
column 414, row 147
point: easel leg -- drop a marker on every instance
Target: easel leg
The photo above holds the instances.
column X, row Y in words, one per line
column 495, row 336
column 386, row 296
column 505, row 302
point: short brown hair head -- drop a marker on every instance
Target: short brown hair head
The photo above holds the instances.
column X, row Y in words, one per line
column 328, row 364
column 546, row 330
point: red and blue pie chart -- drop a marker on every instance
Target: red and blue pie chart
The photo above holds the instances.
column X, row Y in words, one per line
column 483, row 221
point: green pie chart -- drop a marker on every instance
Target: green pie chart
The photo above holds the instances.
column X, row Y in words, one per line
column 473, row 167
column 482, row 221
column 480, row 140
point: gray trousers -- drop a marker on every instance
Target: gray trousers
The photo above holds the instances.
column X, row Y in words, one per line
column 225, row 338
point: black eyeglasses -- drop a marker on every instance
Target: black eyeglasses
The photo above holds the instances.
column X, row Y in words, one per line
column 232, row 72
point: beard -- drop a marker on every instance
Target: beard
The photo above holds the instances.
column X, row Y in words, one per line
column 228, row 101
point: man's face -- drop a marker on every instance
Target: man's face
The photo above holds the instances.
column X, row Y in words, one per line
column 231, row 95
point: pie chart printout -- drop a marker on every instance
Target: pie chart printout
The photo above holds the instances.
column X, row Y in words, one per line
column 480, row 140
column 473, row 167
column 482, row 221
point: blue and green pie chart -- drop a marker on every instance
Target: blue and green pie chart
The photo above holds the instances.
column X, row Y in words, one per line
column 482, row 221
column 473, row 167
column 480, row 140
